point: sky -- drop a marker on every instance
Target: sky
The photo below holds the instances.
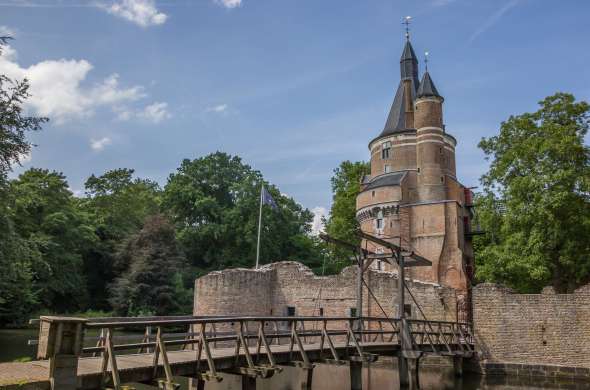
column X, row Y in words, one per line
column 294, row 87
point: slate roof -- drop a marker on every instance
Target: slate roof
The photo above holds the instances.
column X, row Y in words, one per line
column 396, row 121
column 427, row 88
column 388, row 179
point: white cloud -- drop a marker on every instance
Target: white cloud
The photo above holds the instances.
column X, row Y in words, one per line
column 220, row 108
column 156, row 112
column 141, row 12
column 493, row 19
column 318, row 213
column 99, row 144
column 229, row 3
column 57, row 89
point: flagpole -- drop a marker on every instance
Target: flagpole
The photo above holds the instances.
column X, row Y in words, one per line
column 259, row 225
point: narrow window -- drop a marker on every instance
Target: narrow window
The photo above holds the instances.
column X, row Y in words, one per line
column 352, row 312
column 442, row 179
column 290, row 311
column 385, row 150
column 379, row 220
column 408, row 310
column 321, row 311
column 373, row 194
column 386, row 168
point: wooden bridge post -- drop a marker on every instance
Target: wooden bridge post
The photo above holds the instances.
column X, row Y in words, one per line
column 356, row 375
column 458, row 366
column 306, row 378
column 402, row 369
column 413, row 372
column 61, row 341
column 248, row 382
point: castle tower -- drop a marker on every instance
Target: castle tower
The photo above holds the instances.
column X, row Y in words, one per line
column 412, row 196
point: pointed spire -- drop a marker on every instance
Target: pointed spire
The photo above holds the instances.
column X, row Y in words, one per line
column 409, row 63
column 427, row 88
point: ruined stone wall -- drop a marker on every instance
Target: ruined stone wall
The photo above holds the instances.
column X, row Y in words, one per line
column 272, row 288
column 238, row 291
column 541, row 329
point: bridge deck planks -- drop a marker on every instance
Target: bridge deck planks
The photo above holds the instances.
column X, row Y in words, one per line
column 137, row 367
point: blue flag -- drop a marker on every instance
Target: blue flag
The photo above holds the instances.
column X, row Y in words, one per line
column 268, row 199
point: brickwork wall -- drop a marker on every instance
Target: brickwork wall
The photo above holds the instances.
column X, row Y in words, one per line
column 272, row 288
column 542, row 329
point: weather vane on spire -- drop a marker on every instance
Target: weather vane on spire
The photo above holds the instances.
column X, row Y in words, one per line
column 407, row 21
column 426, row 60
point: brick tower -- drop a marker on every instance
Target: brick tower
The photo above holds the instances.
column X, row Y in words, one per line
column 412, row 195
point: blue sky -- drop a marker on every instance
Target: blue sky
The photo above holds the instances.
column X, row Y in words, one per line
column 292, row 86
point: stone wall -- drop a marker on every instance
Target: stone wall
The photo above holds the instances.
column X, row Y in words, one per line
column 274, row 287
column 532, row 329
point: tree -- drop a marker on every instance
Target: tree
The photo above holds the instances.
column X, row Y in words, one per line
column 13, row 123
column 151, row 284
column 46, row 216
column 214, row 203
column 536, row 200
column 17, row 296
column 342, row 222
column 118, row 205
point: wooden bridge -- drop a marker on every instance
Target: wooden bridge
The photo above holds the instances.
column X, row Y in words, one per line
column 202, row 348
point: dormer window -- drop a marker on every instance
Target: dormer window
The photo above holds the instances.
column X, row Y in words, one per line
column 385, row 150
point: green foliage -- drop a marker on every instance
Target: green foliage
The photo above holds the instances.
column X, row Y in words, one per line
column 118, row 205
column 17, row 255
column 536, row 204
column 342, row 222
column 46, row 216
column 214, row 203
column 153, row 279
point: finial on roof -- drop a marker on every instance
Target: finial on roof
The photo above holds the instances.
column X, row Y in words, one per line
column 407, row 21
column 426, row 60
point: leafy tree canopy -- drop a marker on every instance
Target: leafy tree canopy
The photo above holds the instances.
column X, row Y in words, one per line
column 342, row 222
column 214, row 203
column 118, row 205
column 536, row 201
column 155, row 261
column 45, row 214
column 13, row 122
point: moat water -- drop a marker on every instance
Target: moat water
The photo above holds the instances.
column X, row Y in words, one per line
column 378, row 376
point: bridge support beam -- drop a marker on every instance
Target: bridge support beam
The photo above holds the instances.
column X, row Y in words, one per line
column 458, row 366
column 402, row 369
column 306, row 378
column 413, row 373
column 356, row 375
column 248, row 382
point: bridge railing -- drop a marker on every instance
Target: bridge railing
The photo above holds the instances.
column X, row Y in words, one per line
column 250, row 337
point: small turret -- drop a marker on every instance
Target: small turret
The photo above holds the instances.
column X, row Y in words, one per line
column 430, row 149
column 428, row 106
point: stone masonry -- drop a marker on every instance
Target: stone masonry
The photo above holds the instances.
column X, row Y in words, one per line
column 273, row 288
column 518, row 330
